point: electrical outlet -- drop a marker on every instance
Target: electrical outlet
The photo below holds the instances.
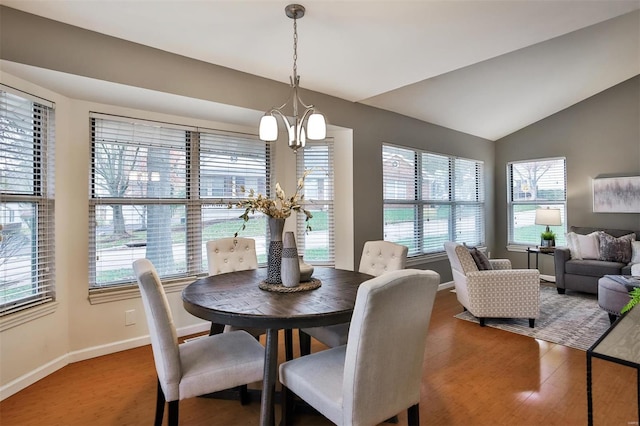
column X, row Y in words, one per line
column 130, row 317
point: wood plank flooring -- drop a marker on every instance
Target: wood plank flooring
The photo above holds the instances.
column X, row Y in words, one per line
column 472, row 376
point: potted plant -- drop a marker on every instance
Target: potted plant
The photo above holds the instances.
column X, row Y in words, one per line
column 635, row 299
column 548, row 239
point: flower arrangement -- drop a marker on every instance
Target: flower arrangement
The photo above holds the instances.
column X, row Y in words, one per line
column 279, row 207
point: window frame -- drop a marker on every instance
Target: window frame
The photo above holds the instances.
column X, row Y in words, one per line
column 560, row 203
column 309, row 202
column 41, row 199
column 193, row 203
column 453, row 203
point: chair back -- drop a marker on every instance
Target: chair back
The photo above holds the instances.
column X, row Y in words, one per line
column 231, row 254
column 162, row 330
column 385, row 349
column 379, row 257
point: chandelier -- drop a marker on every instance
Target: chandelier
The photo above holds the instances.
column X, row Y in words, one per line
column 311, row 123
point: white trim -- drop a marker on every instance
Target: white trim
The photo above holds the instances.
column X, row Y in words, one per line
column 43, row 371
column 114, row 294
column 28, row 314
column 445, row 286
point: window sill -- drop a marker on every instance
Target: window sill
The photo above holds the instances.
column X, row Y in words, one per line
column 107, row 295
column 27, row 314
column 426, row 258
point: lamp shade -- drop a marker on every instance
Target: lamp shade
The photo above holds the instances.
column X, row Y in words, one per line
column 316, row 127
column 268, row 128
column 549, row 217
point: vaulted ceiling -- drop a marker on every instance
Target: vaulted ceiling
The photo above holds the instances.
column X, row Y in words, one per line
column 483, row 67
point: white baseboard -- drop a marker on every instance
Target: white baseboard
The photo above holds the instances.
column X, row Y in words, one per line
column 446, row 286
column 52, row 366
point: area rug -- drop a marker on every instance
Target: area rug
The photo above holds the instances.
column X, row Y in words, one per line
column 572, row 319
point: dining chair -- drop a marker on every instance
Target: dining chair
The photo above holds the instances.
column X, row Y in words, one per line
column 200, row 366
column 377, row 258
column 378, row 373
column 229, row 255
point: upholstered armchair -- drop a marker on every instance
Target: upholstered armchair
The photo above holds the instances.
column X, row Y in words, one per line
column 500, row 292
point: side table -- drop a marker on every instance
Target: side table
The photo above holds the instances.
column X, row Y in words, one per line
column 618, row 344
column 537, row 251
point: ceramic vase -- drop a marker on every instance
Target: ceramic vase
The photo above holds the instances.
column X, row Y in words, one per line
column 306, row 270
column 274, row 257
column 290, row 270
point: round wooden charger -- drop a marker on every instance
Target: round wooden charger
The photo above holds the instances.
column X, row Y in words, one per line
column 312, row 284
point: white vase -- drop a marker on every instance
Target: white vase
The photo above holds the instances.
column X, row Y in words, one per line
column 290, row 270
column 306, row 270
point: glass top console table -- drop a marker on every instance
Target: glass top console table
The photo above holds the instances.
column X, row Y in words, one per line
column 619, row 344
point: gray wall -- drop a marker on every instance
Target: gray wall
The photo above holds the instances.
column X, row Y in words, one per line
column 598, row 137
column 32, row 40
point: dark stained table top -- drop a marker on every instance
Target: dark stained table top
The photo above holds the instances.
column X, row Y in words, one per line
column 235, row 299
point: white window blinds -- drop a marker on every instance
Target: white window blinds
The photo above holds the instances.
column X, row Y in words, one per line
column 161, row 191
column 317, row 245
column 535, row 184
column 430, row 199
column 26, row 202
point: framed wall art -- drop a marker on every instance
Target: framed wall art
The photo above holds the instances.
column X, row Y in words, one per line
column 616, row 195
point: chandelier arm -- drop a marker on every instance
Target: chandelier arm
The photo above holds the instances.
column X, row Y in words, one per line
column 282, row 116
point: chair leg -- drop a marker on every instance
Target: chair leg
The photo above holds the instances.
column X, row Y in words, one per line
column 305, row 343
column 244, row 395
column 413, row 415
column 216, row 329
column 612, row 318
column 561, row 290
column 287, row 407
column 532, row 322
column 173, row 412
column 159, row 406
column 288, row 344
column 481, row 320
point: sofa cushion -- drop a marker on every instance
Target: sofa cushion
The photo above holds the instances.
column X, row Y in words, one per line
column 593, row 268
column 614, row 249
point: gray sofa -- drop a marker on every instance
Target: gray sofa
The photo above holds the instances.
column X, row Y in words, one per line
column 583, row 275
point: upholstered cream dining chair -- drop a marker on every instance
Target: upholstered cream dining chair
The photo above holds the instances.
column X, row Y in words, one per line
column 229, row 255
column 198, row 367
column 377, row 258
column 500, row 292
column 378, row 373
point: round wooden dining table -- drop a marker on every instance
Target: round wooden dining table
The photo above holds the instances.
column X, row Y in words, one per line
column 235, row 299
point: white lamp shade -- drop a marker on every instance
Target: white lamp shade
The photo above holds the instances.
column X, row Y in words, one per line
column 268, row 128
column 549, row 217
column 316, row 127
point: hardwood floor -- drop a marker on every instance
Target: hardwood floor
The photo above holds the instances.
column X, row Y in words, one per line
column 472, row 376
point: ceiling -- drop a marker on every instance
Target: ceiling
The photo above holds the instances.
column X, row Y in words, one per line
column 483, row 67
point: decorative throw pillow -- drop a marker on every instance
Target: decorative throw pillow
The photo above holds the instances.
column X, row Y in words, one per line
column 635, row 252
column 583, row 246
column 614, row 249
column 589, row 245
column 482, row 262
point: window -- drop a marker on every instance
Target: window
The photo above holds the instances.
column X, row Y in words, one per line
column 430, row 199
column 535, row 184
column 317, row 245
column 26, row 202
column 161, row 191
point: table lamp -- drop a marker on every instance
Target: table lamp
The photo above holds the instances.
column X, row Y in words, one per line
column 548, row 217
